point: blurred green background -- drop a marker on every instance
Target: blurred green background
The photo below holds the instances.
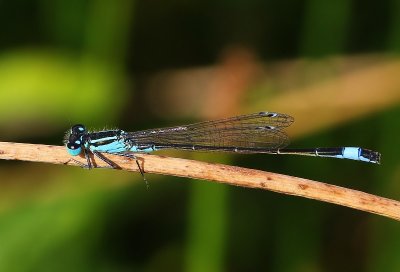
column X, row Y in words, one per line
column 333, row 65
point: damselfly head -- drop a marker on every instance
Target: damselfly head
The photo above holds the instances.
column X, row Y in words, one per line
column 74, row 142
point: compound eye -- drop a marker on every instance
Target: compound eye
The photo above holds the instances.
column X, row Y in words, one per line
column 74, row 148
column 78, row 129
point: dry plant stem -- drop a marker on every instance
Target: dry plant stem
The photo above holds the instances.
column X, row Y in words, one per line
column 215, row 172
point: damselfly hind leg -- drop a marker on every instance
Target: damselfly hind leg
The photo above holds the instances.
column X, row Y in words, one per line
column 132, row 156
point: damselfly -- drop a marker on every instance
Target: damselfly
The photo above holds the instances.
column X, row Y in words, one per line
column 253, row 133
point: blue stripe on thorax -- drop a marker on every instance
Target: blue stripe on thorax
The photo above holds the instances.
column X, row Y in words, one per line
column 111, row 138
column 116, row 146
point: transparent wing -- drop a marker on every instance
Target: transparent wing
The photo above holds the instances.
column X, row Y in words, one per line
column 248, row 133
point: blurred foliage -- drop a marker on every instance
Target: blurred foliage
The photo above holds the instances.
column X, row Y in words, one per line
column 49, row 86
column 64, row 62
